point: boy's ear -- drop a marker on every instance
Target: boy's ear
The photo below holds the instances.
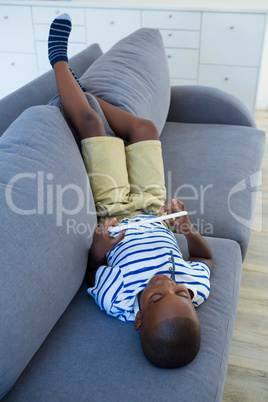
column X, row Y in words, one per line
column 138, row 321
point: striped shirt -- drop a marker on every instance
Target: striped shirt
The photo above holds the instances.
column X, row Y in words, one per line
column 143, row 253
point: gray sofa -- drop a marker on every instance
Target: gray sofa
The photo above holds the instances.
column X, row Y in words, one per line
column 55, row 343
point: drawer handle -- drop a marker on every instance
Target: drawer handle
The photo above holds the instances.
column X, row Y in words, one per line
column 232, row 27
column 6, row 17
column 112, row 23
column 57, row 12
column 170, row 34
column 12, row 64
column 169, row 56
column 226, row 78
column 170, row 16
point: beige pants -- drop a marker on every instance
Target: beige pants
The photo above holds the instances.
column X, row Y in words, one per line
column 124, row 181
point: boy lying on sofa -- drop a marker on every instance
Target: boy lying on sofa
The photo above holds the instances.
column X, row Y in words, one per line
column 129, row 271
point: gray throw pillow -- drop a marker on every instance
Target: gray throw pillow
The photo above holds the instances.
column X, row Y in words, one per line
column 133, row 75
column 47, row 218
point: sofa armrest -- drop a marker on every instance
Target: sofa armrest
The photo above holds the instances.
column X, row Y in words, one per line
column 200, row 104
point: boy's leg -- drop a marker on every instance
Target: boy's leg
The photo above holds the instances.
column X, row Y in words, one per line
column 124, row 124
column 58, row 42
column 146, row 175
column 104, row 156
column 128, row 126
column 105, row 161
column 75, row 105
column 109, row 176
column 144, row 160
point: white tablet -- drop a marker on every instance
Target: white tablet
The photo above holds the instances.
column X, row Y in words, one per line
column 134, row 224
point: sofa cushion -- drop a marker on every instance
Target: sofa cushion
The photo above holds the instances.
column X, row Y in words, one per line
column 214, row 170
column 92, row 356
column 133, row 75
column 47, row 215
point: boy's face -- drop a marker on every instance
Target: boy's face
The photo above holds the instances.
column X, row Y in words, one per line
column 162, row 299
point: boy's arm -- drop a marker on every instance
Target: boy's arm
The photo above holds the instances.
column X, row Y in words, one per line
column 199, row 249
column 101, row 244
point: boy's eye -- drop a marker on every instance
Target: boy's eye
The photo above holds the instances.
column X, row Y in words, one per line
column 183, row 294
column 155, row 297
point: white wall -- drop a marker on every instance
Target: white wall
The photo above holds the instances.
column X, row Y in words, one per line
column 262, row 97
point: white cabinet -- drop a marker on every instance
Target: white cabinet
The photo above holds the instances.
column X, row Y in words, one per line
column 17, row 49
column 180, row 39
column 16, row 31
column 232, row 39
column 45, row 15
column 183, row 63
column 181, row 36
column 171, row 19
column 230, row 53
column 16, row 69
column 42, row 18
column 108, row 26
column 214, row 46
column 219, row 49
column 238, row 81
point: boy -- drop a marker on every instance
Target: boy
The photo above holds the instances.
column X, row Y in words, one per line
column 129, row 272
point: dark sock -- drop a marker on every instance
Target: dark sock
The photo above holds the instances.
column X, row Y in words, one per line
column 81, row 86
column 58, row 42
column 58, row 38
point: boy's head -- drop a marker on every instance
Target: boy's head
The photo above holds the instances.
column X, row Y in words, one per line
column 168, row 323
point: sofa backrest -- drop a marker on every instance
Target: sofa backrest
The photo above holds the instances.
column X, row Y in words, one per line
column 42, row 89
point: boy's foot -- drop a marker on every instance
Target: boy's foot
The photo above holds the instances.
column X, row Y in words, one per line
column 60, row 30
column 58, row 39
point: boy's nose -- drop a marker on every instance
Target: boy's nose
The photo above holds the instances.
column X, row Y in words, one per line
column 169, row 285
column 163, row 281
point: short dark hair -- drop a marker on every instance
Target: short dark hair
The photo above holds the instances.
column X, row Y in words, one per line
column 172, row 343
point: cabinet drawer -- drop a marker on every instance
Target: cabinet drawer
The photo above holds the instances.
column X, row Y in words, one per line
column 19, row 68
column 42, row 57
column 183, row 63
column 107, row 27
column 181, row 39
column 171, row 20
column 238, row 81
column 45, row 15
column 78, row 33
column 16, row 33
column 232, row 39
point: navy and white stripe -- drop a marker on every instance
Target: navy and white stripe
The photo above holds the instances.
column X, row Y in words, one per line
column 58, row 39
column 143, row 253
column 58, row 42
column 79, row 83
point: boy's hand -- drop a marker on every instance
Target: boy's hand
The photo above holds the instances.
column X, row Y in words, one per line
column 101, row 244
column 199, row 249
column 102, row 241
column 180, row 224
